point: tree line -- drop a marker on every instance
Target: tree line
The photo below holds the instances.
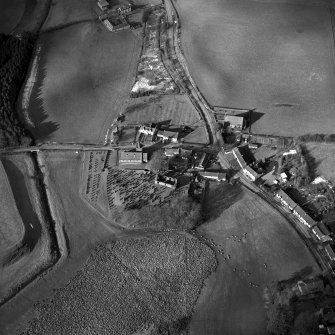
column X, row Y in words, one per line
column 15, row 53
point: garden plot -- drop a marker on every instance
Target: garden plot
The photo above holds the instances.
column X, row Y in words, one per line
column 141, row 285
column 152, row 76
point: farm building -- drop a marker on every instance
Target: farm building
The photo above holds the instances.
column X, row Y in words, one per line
column 250, row 173
column 166, row 135
column 147, row 130
column 276, row 141
column 108, row 25
column 219, row 176
column 321, row 232
column 170, row 152
column 132, row 157
column 239, row 157
column 166, row 181
column 290, row 152
column 330, row 252
column 103, row 5
column 310, row 286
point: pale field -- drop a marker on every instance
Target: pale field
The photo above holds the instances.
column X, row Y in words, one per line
column 10, row 14
column 275, row 56
column 85, row 75
column 324, row 154
column 176, row 108
column 11, row 227
column 227, row 304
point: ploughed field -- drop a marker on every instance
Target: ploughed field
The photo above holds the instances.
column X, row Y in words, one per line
column 84, row 75
column 255, row 247
column 275, row 56
column 142, row 285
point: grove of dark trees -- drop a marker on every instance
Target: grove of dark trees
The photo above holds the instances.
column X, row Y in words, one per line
column 15, row 53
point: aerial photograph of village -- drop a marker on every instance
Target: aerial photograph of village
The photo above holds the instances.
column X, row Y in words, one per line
column 167, row 167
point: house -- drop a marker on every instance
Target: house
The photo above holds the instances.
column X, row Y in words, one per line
column 166, row 135
column 290, row 152
column 330, row 252
column 310, row 286
column 219, row 176
column 103, row 5
column 250, row 173
column 303, row 217
column 239, row 158
column 132, row 157
column 170, row 152
column 166, row 181
column 321, row 232
column 108, row 24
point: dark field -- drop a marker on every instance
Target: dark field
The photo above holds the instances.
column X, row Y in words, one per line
column 10, row 14
column 275, row 56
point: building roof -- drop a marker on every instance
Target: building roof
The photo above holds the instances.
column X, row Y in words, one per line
column 239, row 157
column 251, row 171
column 330, row 251
column 131, row 155
column 217, row 175
column 319, row 234
column 305, row 216
column 287, row 199
column 323, row 228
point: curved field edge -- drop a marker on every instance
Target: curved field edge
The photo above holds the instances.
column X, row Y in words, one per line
column 140, row 284
column 31, row 261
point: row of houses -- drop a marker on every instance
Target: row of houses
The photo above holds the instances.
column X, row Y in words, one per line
column 319, row 230
column 247, row 170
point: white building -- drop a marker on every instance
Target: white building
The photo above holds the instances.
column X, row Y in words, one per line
column 219, row 176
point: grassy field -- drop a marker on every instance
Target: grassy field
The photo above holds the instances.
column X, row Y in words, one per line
column 12, row 227
column 324, row 159
column 275, row 56
column 130, row 286
column 248, row 233
column 10, row 14
column 176, row 108
column 84, row 76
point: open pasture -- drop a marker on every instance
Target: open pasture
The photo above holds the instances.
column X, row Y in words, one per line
column 84, row 76
column 255, row 246
column 174, row 108
column 274, row 56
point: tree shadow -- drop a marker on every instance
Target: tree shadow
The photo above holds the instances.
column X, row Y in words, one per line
column 29, row 218
column 312, row 163
column 298, row 275
column 219, row 198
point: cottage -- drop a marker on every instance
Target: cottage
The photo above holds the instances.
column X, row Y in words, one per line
column 219, row 176
column 132, row 157
column 147, row 130
column 310, row 286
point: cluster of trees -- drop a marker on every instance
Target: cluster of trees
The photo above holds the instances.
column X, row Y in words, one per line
column 15, row 53
column 182, row 213
column 317, row 138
